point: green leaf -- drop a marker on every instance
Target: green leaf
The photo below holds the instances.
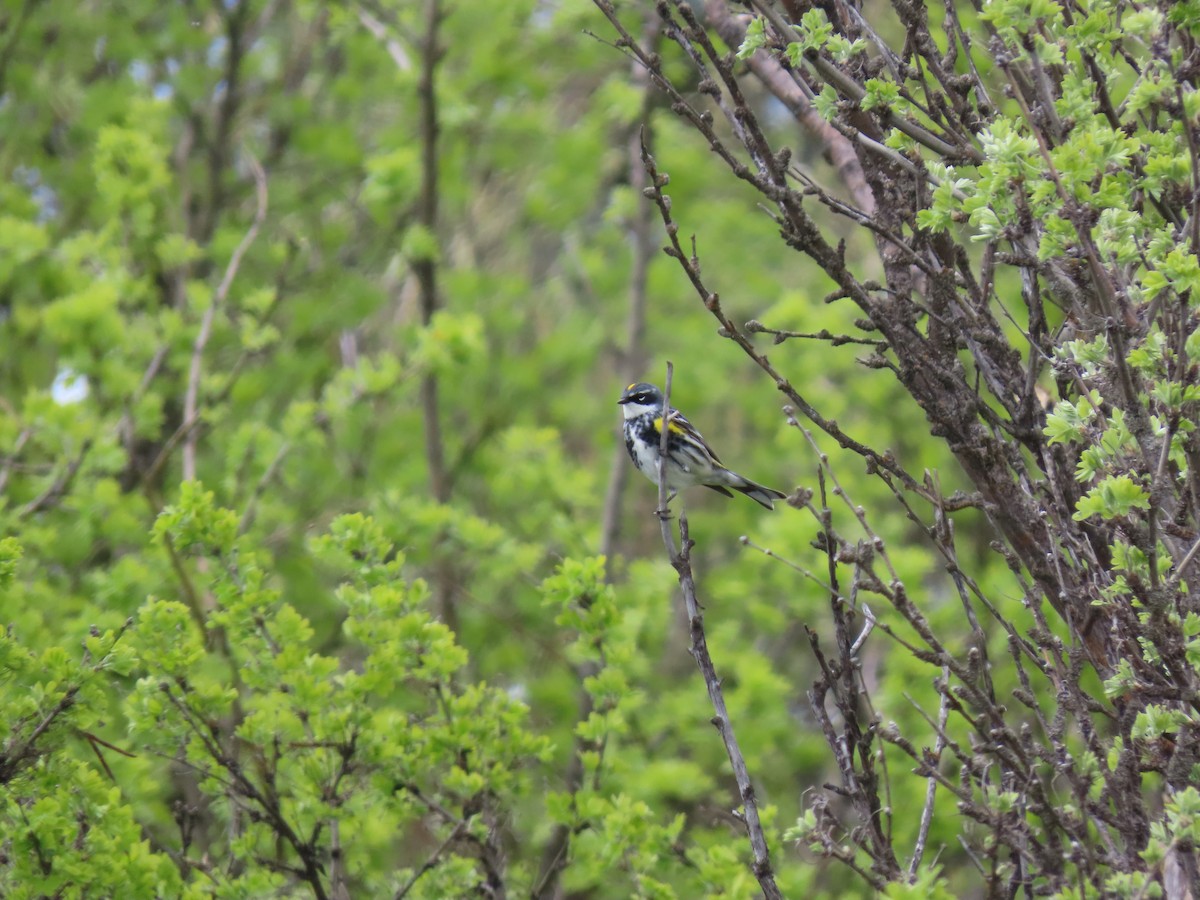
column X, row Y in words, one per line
column 1117, row 495
column 755, row 38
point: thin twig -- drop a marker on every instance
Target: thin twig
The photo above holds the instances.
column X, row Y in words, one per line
column 663, row 441
column 681, row 561
column 454, row 835
column 1177, row 576
column 800, row 570
column 868, row 627
column 267, row 477
column 425, row 268
column 10, row 460
column 835, row 340
column 57, row 488
column 931, row 787
column 218, row 301
column 338, row 888
column 186, row 428
column 380, row 31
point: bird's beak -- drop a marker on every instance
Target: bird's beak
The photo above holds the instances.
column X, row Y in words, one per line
column 622, row 401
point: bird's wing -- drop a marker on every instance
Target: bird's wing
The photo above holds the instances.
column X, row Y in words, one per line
column 678, row 422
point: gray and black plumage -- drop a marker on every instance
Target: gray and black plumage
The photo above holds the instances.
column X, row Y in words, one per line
column 690, row 461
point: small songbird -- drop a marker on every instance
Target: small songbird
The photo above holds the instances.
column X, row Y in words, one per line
column 690, row 460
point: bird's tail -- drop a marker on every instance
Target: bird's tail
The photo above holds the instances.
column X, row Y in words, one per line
column 757, row 492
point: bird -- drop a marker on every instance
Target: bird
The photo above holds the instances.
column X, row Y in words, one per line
column 690, row 461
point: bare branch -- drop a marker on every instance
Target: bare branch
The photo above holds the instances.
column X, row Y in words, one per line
column 13, row 455
column 681, row 561
column 931, row 788
column 260, row 488
column 455, row 833
column 732, row 29
column 58, row 488
column 191, row 398
column 381, row 33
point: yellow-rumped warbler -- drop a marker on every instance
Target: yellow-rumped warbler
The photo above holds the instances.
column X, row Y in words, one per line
column 690, row 460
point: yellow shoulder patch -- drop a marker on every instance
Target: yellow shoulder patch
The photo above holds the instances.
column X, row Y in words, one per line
column 671, row 426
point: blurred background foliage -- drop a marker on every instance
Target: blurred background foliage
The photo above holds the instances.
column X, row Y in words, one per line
column 133, row 133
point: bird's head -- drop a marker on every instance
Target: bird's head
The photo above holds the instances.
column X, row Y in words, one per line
column 641, row 398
